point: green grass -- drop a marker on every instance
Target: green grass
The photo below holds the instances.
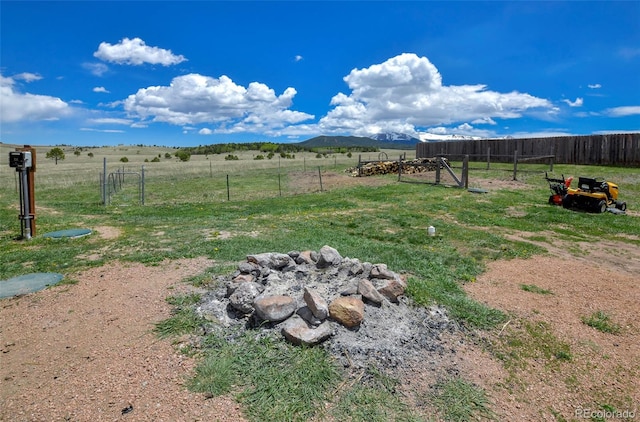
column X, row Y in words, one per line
column 184, row 319
column 601, row 321
column 531, row 341
column 372, row 398
column 458, row 400
column 272, row 380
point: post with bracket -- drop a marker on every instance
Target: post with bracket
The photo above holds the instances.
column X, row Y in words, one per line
column 24, row 161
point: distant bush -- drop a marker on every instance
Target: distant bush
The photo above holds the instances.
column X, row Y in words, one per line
column 155, row 160
column 231, row 157
column 259, row 157
column 90, row 154
column 124, row 160
column 183, row 155
column 167, row 155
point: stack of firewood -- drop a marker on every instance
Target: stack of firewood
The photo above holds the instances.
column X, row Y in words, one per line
column 419, row 165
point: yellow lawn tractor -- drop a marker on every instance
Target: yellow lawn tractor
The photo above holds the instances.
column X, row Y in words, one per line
column 592, row 194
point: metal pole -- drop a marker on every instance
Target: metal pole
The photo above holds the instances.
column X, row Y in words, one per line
column 142, row 183
column 279, row 185
column 25, row 196
column 104, row 181
column 228, row 192
column 320, row 174
column 515, row 165
column 465, row 171
column 399, row 167
column 438, row 164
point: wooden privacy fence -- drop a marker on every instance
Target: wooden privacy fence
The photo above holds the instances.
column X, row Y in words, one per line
column 621, row 149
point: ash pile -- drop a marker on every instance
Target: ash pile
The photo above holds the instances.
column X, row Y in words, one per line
column 357, row 310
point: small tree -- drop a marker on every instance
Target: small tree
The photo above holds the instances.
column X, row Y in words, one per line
column 124, row 159
column 90, row 154
column 77, row 153
column 56, row 154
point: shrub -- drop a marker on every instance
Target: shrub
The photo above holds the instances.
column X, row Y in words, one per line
column 183, row 155
column 124, row 160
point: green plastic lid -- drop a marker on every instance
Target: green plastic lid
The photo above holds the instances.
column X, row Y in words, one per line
column 28, row 283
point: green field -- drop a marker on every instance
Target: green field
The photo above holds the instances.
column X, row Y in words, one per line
column 279, row 205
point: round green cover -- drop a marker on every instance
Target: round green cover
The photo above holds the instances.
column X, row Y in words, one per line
column 68, row 233
column 28, row 283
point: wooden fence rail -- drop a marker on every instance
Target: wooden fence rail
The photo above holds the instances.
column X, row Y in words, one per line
column 622, row 149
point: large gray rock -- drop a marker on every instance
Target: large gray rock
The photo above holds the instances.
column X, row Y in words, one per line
column 299, row 333
column 368, row 291
column 271, row 260
column 328, row 257
column 243, row 296
column 249, row 268
column 381, row 271
column 316, row 304
column 274, row 308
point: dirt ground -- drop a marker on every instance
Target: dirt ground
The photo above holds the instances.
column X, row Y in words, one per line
column 86, row 351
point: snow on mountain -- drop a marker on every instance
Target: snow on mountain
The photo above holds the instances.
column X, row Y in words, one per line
column 422, row 137
column 394, row 137
column 432, row 137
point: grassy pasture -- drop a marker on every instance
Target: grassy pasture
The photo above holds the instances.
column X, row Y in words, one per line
column 277, row 205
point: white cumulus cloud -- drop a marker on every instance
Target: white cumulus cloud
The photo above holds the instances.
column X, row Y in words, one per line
column 100, row 89
column 623, row 111
column 197, row 99
column 136, row 52
column 17, row 106
column 205, row 131
column 27, row 77
column 577, row 103
column 594, row 86
column 111, row 121
column 96, row 69
column 406, row 92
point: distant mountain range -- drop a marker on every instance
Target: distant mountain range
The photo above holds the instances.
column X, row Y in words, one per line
column 388, row 140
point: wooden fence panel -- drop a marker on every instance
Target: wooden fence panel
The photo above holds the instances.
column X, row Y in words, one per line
column 621, row 149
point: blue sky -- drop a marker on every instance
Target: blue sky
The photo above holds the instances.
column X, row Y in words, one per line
column 204, row 72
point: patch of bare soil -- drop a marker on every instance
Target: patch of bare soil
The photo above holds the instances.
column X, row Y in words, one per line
column 87, row 352
column 604, row 368
column 305, row 182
